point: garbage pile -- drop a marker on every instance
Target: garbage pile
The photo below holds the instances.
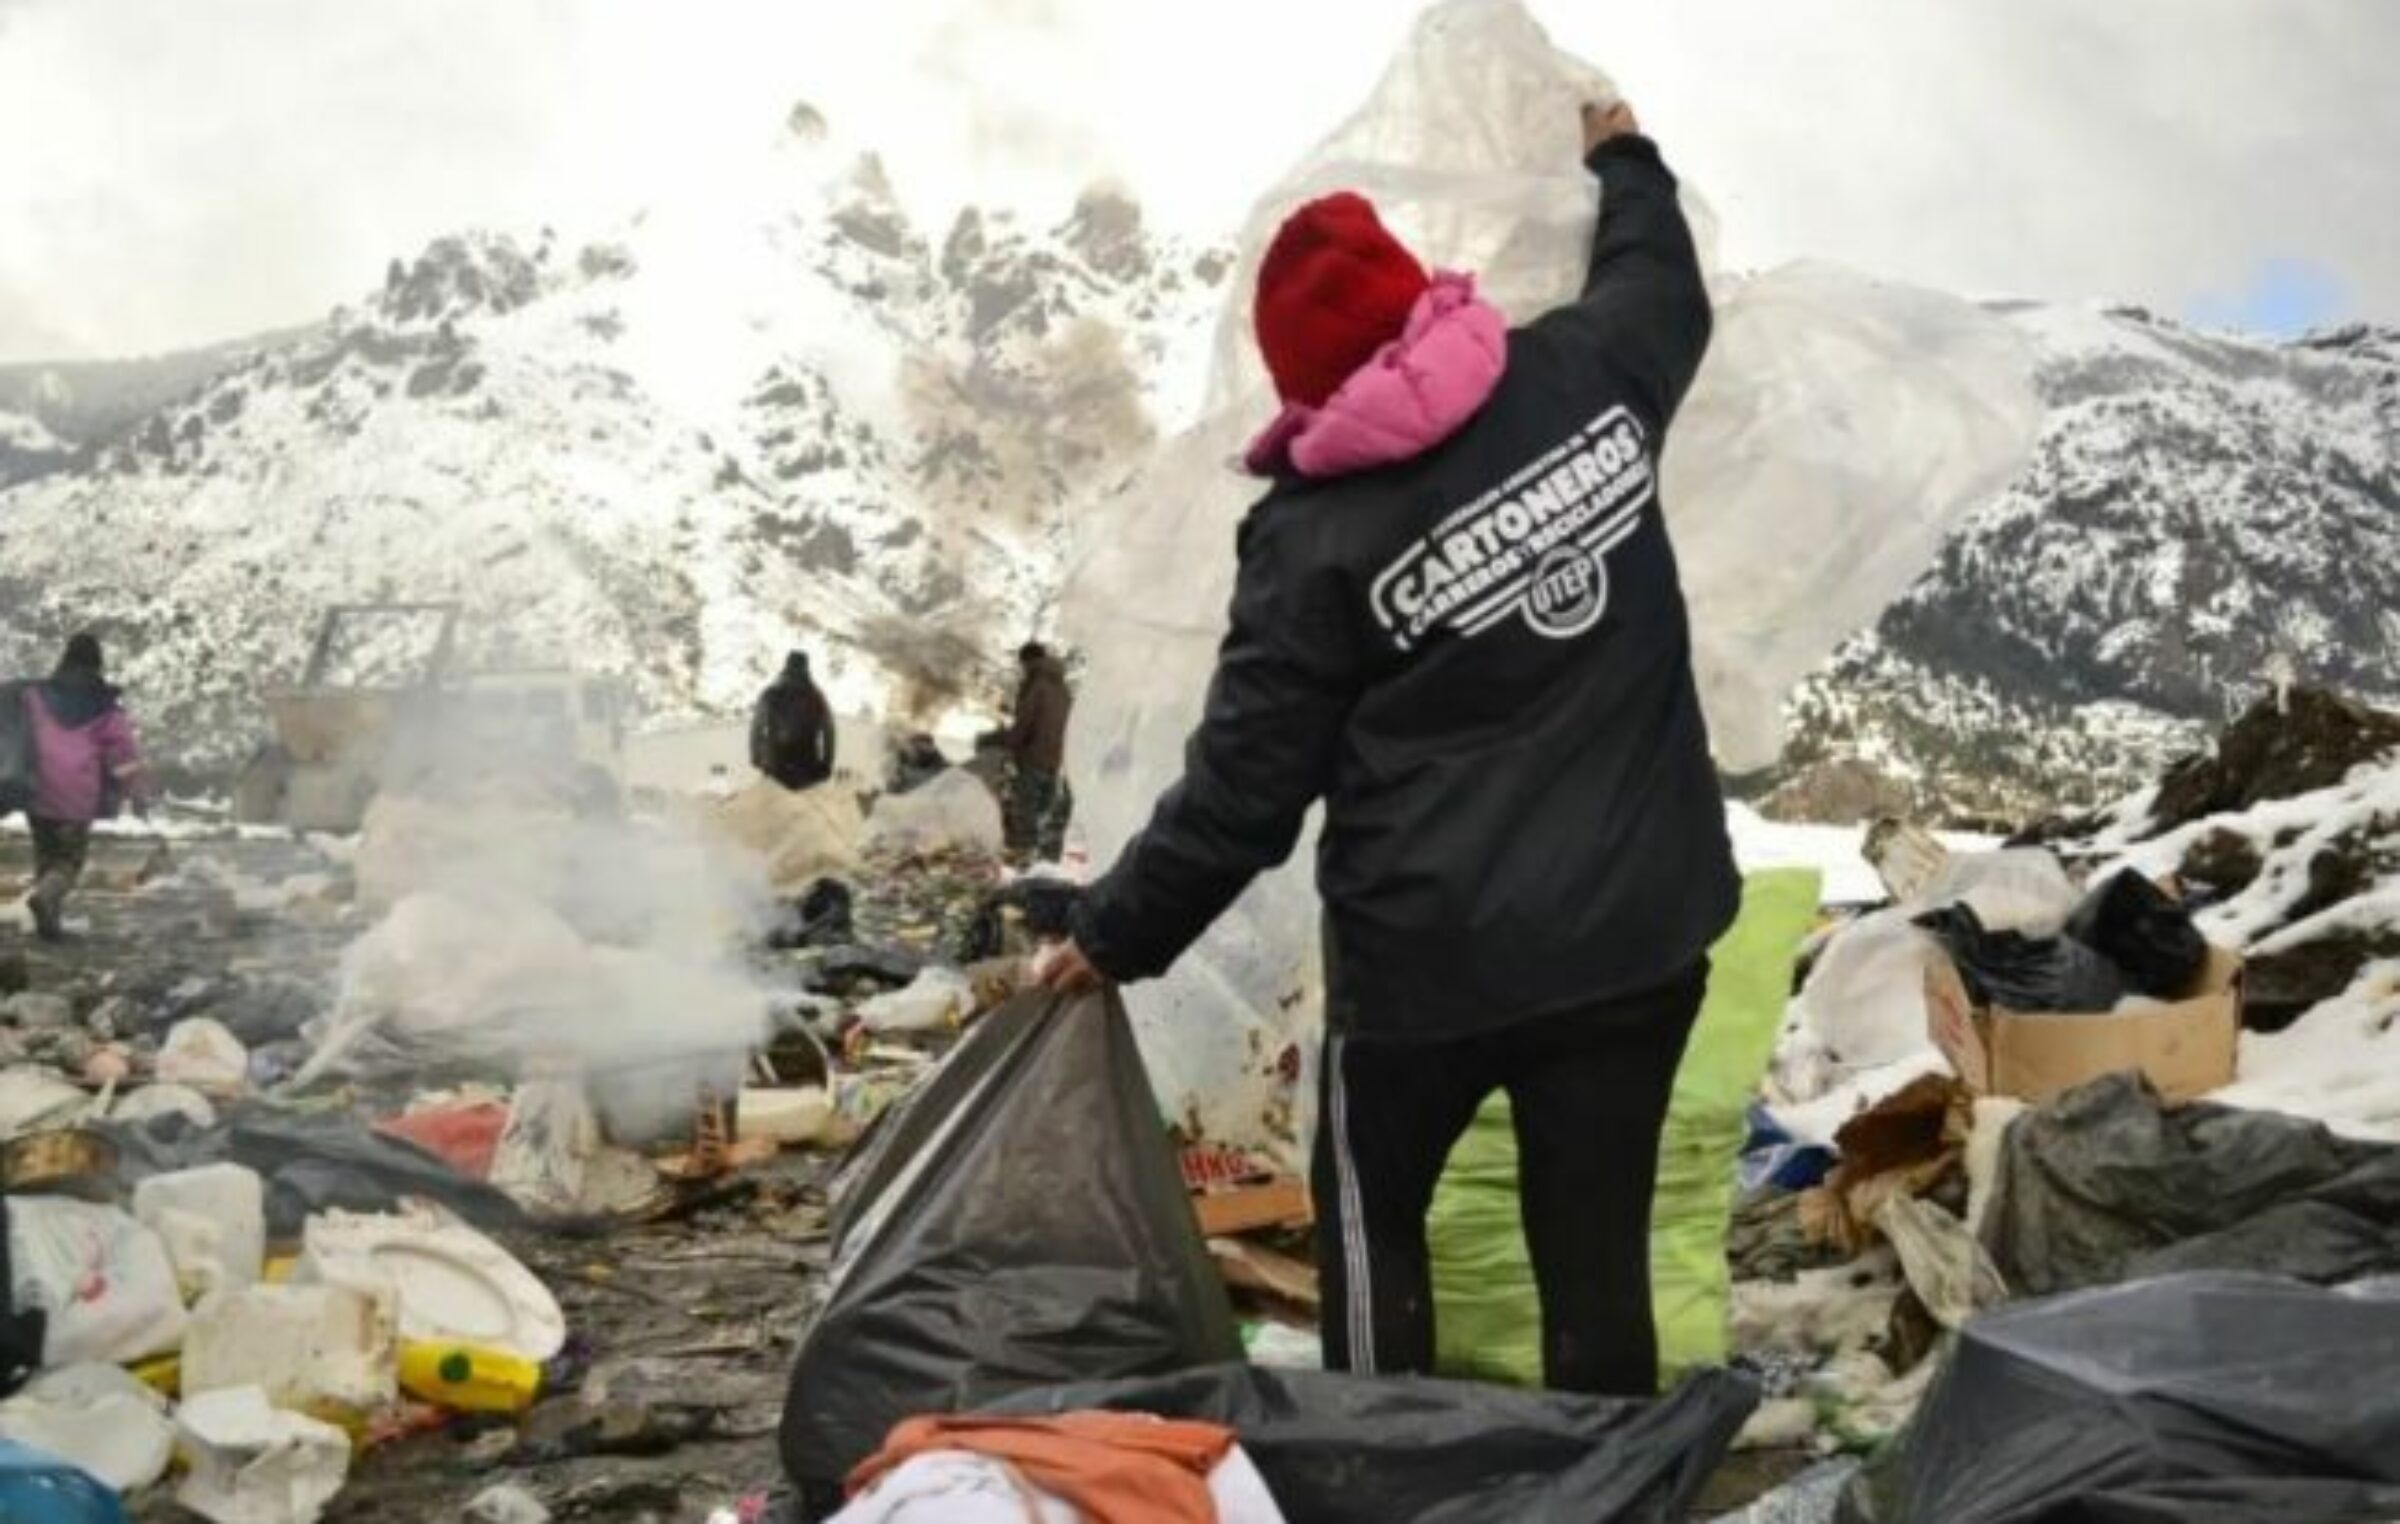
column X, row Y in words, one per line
column 363, row 1164
column 2033, row 1102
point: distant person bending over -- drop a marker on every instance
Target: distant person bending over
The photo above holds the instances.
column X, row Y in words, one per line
column 1456, row 621
column 791, row 728
column 86, row 761
column 1036, row 739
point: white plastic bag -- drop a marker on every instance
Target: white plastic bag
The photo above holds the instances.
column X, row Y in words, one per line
column 1796, row 513
column 2020, row 889
column 1864, row 1002
column 205, row 1055
column 104, row 1280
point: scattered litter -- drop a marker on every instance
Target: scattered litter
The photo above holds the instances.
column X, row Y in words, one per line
column 252, row 1463
column 201, row 1053
column 2193, row 1395
column 37, row 1010
column 153, row 1101
column 793, row 1117
column 939, row 999
column 451, row 1284
column 311, row 1348
column 213, row 1221
column 555, row 1161
column 99, row 1418
column 42, row 1489
column 465, row 1134
column 506, row 1504
column 103, row 1279
column 951, row 811
column 33, row 1100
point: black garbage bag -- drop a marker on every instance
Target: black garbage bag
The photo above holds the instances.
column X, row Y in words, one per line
column 819, row 918
column 2189, row 1397
column 1337, row 1449
column 2146, row 932
column 2108, row 1183
column 1022, row 1224
column 2022, row 973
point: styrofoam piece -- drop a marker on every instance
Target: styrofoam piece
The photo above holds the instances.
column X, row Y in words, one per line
column 103, row 1279
column 252, row 1463
column 304, row 1345
column 214, row 1223
column 99, row 1418
column 449, row 1281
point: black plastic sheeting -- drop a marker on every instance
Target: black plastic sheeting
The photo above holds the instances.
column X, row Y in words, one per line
column 17, row 767
column 1338, row 1449
column 311, row 1163
column 2188, row 1398
column 1021, row 1224
column 2147, row 933
column 2106, row 1184
column 2022, row 973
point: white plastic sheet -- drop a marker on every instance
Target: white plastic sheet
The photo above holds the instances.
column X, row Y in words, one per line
column 1840, row 427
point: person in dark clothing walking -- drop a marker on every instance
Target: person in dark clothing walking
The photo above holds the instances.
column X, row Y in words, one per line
column 1036, row 739
column 1457, row 622
column 86, row 761
column 791, row 728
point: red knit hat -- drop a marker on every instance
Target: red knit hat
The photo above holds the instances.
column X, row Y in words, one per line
column 1334, row 288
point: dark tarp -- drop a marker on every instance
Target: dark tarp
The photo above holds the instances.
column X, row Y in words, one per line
column 18, row 768
column 1338, row 1449
column 1021, row 1224
column 2106, row 1184
column 2187, row 1398
column 311, row 1162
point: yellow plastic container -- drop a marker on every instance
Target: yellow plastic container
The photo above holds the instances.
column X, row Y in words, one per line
column 468, row 1379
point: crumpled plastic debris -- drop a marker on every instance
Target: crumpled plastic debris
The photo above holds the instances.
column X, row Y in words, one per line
column 98, row 1417
column 253, row 1463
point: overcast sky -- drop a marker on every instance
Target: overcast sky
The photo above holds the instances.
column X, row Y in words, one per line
column 175, row 171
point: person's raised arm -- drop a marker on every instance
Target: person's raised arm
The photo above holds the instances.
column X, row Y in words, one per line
column 1645, row 302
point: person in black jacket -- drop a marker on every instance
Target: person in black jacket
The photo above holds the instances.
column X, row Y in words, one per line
column 791, row 728
column 1456, row 621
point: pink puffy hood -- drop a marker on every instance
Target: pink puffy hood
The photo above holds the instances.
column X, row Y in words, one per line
column 1417, row 391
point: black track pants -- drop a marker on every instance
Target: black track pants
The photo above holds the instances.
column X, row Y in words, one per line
column 1589, row 1090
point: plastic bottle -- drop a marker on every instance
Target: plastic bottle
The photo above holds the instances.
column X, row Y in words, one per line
column 468, row 1379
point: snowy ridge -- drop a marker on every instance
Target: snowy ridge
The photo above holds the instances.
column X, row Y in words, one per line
column 2202, row 511
column 788, row 416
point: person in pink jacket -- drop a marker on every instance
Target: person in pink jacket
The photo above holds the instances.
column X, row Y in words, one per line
column 86, row 760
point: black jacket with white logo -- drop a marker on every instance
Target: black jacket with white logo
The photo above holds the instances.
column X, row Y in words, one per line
column 1479, row 659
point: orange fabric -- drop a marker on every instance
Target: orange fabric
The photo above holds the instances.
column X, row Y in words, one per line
column 1116, row 1468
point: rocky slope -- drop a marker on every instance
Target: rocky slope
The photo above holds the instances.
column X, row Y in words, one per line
column 786, row 416
column 2203, row 514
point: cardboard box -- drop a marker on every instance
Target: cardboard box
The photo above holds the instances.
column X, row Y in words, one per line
column 2186, row 1048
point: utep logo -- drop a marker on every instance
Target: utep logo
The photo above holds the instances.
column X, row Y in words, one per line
column 1535, row 547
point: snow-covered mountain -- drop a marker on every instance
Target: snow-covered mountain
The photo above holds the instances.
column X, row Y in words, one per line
column 2204, row 514
column 784, row 414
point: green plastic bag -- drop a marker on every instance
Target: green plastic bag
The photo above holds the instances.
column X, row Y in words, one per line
column 1487, row 1318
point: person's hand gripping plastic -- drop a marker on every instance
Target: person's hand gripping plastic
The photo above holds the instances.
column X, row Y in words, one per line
column 1061, row 968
